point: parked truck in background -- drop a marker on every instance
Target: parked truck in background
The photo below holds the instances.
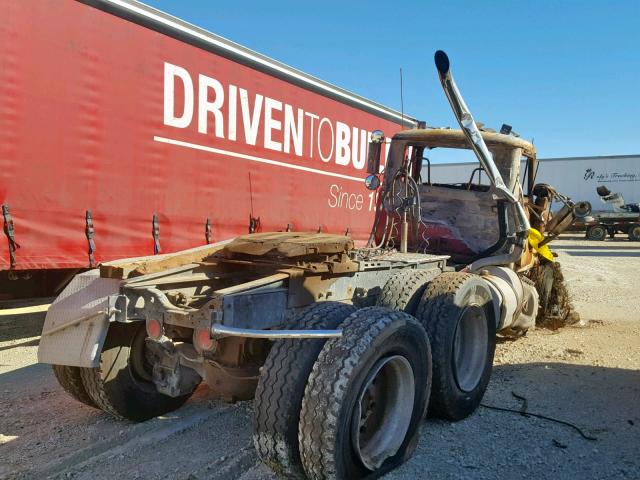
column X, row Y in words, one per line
column 622, row 218
column 126, row 132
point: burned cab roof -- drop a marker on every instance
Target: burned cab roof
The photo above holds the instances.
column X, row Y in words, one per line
column 454, row 138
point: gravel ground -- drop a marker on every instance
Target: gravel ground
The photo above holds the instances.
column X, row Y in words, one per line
column 588, row 375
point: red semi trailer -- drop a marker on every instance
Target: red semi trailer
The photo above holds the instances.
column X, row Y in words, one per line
column 126, row 132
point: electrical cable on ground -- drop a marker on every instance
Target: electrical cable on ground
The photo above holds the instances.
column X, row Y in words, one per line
column 523, row 411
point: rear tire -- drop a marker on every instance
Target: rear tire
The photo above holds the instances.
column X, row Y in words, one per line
column 634, row 232
column 596, row 232
column 121, row 385
column 366, row 397
column 456, row 310
column 70, row 380
column 404, row 289
column 281, row 387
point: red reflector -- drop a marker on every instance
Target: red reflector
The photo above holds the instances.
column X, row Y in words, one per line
column 154, row 328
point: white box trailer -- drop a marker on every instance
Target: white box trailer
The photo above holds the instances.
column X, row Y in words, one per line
column 575, row 177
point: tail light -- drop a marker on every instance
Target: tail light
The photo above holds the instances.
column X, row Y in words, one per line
column 202, row 340
column 155, row 330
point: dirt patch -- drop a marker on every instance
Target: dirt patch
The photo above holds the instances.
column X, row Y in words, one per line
column 587, row 374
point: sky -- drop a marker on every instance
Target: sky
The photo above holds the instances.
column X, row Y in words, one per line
column 563, row 73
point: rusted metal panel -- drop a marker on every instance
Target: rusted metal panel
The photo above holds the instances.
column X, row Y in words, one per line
column 454, row 138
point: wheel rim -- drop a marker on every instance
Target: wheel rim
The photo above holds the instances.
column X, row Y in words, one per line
column 598, row 232
column 383, row 412
column 141, row 359
column 470, row 348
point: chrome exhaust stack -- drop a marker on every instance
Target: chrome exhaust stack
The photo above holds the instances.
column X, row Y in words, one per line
column 472, row 132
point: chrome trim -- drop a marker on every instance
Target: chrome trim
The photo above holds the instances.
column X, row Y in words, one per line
column 221, row 330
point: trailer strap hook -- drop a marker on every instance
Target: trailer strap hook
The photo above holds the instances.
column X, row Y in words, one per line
column 10, row 233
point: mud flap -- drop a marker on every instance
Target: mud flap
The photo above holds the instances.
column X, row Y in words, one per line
column 77, row 322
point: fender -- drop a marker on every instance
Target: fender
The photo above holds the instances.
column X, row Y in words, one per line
column 77, row 322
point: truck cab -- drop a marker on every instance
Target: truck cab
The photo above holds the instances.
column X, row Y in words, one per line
column 464, row 220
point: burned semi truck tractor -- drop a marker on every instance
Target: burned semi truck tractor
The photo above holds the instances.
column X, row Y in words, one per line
column 126, row 132
column 343, row 348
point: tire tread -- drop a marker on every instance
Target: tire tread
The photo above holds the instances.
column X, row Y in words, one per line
column 281, row 387
column 436, row 312
column 70, row 380
column 404, row 289
column 328, row 384
column 94, row 385
column 121, row 397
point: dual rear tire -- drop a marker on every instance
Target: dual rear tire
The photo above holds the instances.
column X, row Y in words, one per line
column 349, row 407
column 281, row 387
column 456, row 310
column 352, row 407
column 366, row 397
column 121, row 385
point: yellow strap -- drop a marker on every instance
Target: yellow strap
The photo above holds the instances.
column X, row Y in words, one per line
column 535, row 237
